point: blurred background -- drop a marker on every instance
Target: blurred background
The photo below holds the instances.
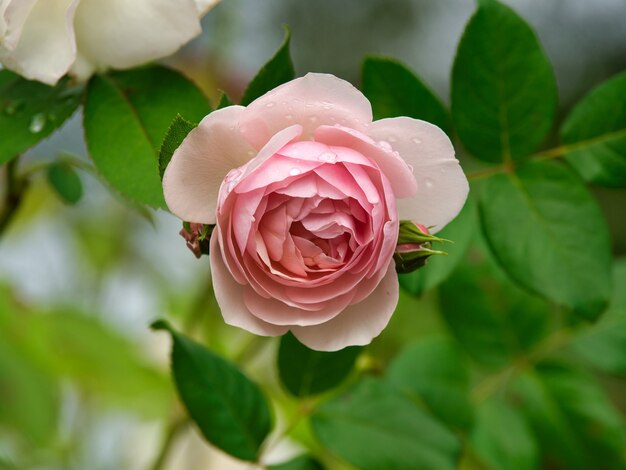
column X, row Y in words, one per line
column 84, row 383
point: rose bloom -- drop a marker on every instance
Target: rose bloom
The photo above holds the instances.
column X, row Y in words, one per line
column 45, row 39
column 307, row 193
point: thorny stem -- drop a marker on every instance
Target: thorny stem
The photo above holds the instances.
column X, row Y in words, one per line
column 15, row 189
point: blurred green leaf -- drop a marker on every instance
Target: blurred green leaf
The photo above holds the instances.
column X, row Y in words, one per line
column 439, row 268
column 394, row 91
column 65, row 181
column 302, row 462
column 574, row 422
column 549, row 234
column 306, row 372
column 229, row 409
column 30, row 111
column 594, row 134
column 604, row 344
column 491, row 318
column 504, row 93
column 178, row 130
column 224, row 101
column 278, row 70
column 434, row 371
column 374, row 427
column 502, row 438
column 29, row 398
column 126, row 117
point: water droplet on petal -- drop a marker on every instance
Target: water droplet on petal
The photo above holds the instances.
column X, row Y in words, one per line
column 327, row 105
column 410, row 167
column 250, row 153
column 295, row 171
column 270, row 104
column 288, row 116
column 415, row 140
column 37, row 123
column 428, row 183
column 386, row 146
column 328, row 157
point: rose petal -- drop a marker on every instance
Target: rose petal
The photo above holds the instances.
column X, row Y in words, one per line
column 123, row 33
column 192, row 179
column 205, row 5
column 313, row 100
column 442, row 187
column 39, row 41
column 359, row 323
column 393, row 166
column 230, row 297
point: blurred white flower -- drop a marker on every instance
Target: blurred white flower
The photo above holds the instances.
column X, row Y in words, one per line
column 45, row 39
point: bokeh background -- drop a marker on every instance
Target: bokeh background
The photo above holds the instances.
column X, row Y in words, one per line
column 79, row 285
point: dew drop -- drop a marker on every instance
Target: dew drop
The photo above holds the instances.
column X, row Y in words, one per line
column 415, row 140
column 270, row 104
column 327, row 105
column 386, row 146
column 428, row 183
column 288, row 116
column 13, row 107
column 250, row 153
column 37, row 123
column 328, row 157
column 295, row 171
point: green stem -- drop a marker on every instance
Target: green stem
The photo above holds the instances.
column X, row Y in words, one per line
column 174, row 429
column 15, row 189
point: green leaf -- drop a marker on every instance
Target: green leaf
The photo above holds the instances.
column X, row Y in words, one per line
column 65, row 182
column 548, row 234
column 126, row 117
column 394, row 91
column 434, row 370
column 374, row 427
column 302, row 462
column 306, row 372
column 502, row 437
column 278, row 70
column 29, row 397
column 224, row 102
column 594, row 134
column 504, row 93
column 229, row 409
column 439, row 268
column 30, row 111
column 493, row 320
column 575, row 423
column 604, row 344
column 178, row 130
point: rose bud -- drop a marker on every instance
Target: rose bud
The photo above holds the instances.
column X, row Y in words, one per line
column 414, row 247
column 306, row 193
column 197, row 237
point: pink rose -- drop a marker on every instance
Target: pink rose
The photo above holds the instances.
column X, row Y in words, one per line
column 307, row 193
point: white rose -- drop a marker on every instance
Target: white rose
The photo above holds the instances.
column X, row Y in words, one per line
column 45, row 39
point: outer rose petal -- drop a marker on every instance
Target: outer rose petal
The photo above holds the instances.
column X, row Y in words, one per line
column 205, row 5
column 230, row 295
column 125, row 33
column 442, row 187
column 39, row 41
column 192, row 179
column 311, row 101
column 359, row 323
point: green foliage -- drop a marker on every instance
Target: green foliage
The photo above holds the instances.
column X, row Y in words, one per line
column 502, row 438
column 433, row 370
column 302, row 462
column 549, row 235
column 373, row 427
column 604, row 344
column 394, row 91
column 229, row 409
column 30, row 111
column 439, row 268
column 224, row 101
column 126, row 117
column 176, row 133
column 494, row 321
column 503, row 88
column 278, row 70
column 65, row 182
column 306, row 372
column 575, row 423
column 594, row 134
